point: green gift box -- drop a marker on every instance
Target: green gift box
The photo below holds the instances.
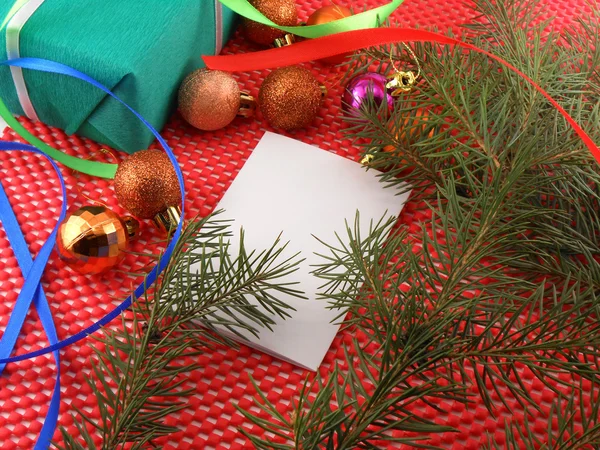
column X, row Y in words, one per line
column 141, row 49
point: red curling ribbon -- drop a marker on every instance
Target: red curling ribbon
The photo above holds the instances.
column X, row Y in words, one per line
column 350, row 41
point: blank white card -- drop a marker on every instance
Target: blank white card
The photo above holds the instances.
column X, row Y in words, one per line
column 290, row 188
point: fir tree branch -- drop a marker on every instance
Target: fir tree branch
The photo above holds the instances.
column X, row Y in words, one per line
column 506, row 275
column 138, row 376
column 569, row 426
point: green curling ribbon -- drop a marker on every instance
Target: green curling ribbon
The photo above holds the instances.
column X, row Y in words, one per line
column 98, row 169
column 367, row 19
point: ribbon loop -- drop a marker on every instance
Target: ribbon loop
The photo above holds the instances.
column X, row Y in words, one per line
column 33, row 269
column 367, row 19
column 351, row 41
column 32, row 273
column 13, row 51
column 54, row 67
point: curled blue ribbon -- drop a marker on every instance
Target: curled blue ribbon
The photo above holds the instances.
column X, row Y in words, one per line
column 32, row 274
column 33, row 270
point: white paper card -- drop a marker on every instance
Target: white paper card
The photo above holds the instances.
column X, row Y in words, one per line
column 298, row 190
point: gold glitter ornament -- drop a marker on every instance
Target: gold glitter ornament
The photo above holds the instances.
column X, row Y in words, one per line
column 210, row 99
column 282, row 12
column 93, row 239
column 146, row 185
column 290, row 98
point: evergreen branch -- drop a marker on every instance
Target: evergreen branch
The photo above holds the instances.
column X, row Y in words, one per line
column 569, row 426
column 138, row 377
column 349, row 412
column 505, row 278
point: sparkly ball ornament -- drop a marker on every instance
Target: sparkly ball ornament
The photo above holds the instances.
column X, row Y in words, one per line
column 93, row 239
column 290, row 98
column 282, row 12
column 328, row 14
column 210, row 100
column 146, row 185
column 362, row 86
column 407, row 133
column 412, row 127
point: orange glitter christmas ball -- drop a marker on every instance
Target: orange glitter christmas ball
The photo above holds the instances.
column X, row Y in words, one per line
column 410, row 129
column 290, row 98
column 328, row 14
column 209, row 99
column 407, row 133
column 282, row 12
column 146, row 184
column 93, row 239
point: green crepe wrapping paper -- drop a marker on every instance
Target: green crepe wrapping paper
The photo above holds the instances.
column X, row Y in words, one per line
column 141, row 49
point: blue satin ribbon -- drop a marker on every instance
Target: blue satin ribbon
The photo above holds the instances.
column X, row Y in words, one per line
column 32, row 277
column 33, row 271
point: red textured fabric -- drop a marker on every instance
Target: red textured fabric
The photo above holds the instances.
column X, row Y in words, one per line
column 210, row 161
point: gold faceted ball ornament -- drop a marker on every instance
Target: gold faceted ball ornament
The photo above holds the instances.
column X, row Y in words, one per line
column 210, row 99
column 290, row 98
column 282, row 12
column 93, row 239
column 147, row 186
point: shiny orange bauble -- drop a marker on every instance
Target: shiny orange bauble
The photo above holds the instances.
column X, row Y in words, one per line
column 409, row 131
column 93, row 239
column 327, row 14
column 282, row 12
column 290, row 98
column 411, row 128
column 146, row 184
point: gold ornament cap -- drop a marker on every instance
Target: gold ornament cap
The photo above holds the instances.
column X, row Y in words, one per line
column 210, row 99
column 401, row 82
column 132, row 226
column 284, row 41
column 247, row 105
column 167, row 220
column 368, row 159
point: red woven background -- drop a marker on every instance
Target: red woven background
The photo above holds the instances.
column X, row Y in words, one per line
column 210, row 162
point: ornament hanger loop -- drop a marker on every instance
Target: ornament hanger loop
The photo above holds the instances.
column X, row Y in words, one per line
column 403, row 81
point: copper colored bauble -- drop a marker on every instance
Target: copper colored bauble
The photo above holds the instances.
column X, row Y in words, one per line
column 290, row 98
column 328, row 14
column 411, row 128
column 93, row 239
column 407, row 134
column 146, row 185
column 210, row 100
column 282, row 12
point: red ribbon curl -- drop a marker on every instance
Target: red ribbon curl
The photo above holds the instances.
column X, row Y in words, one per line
column 351, row 41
